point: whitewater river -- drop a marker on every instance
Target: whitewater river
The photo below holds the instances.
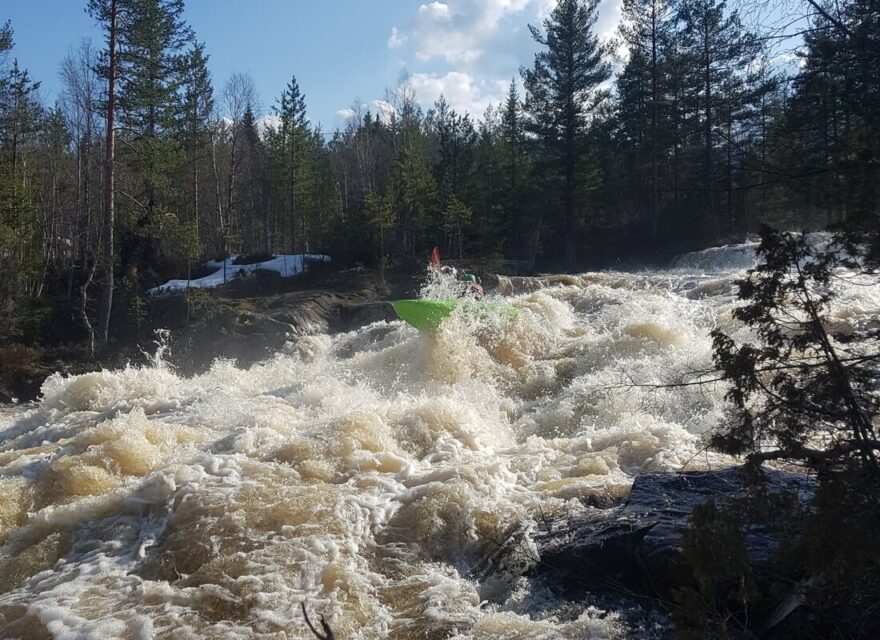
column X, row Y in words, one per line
column 366, row 473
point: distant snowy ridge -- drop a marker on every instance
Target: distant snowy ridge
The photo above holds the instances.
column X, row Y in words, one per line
column 286, row 265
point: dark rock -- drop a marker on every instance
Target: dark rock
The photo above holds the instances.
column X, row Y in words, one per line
column 246, row 321
column 352, row 316
column 638, row 545
column 251, row 329
column 23, row 369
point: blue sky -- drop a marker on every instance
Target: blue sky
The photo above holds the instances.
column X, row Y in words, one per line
column 338, row 49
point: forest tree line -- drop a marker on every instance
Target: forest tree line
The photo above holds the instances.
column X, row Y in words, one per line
column 686, row 129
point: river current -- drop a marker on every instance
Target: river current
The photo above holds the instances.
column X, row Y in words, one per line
column 368, row 474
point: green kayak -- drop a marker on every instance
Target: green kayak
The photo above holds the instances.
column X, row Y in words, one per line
column 426, row 315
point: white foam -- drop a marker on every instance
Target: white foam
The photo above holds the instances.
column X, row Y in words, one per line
column 364, row 473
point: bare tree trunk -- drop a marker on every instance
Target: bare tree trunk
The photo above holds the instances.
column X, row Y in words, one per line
column 109, row 211
column 221, row 223
column 730, row 218
column 83, row 307
column 230, row 195
column 195, row 188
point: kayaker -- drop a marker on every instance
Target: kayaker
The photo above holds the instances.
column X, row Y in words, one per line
column 475, row 285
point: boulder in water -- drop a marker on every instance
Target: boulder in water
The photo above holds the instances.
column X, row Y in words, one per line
column 637, row 546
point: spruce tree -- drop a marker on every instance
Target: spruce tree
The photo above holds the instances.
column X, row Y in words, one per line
column 456, row 140
column 257, row 211
column 413, row 191
column 153, row 57
column 198, row 108
column 645, row 29
column 561, row 86
column 716, row 53
column 521, row 229
column 21, row 120
column 292, row 160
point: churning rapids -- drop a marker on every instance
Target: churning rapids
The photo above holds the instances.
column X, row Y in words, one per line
column 366, row 473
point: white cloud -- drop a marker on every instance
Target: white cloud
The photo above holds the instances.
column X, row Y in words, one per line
column 435, row 11
column 462, row 91
column 347, row 113
column 396, row 39
column 789, row 58
column 268, row 121
column 467, row 32
column 457, row 31
column 469, row 50
column 384, row 110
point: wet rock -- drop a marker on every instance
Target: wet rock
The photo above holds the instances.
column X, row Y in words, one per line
column 247, row 322
column 249, row 331
column 353, row 316
column 637, row 545
column 23, row 369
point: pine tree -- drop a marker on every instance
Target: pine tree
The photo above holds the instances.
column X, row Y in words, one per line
column 834, row 118
column 413, row 192
column 5, row 40
column 645, row 29
column 198, row 103
column 21, row 119
column 522, row 230
column 108, row 12
column 560, row 88
column 292, row 147
column 153, row 56
column 716, row 53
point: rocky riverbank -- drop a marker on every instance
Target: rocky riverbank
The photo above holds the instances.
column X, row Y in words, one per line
column 246, row 322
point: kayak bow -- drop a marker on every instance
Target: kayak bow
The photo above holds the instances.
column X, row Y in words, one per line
column 426, row 315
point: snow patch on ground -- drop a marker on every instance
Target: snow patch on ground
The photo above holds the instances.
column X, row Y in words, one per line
column 286, row 265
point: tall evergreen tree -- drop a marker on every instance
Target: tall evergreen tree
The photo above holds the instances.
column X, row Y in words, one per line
column 107, row 12
column 152, row 63
column 292, row 147
column 198, row 109
column 21, row 120
column 645, row 28
column 489, row 226
column 456, row 142
column 522, row 230
column 717, row 54
column 255, row 205
column 560, row 87
column 834, row 118
column 414, row 190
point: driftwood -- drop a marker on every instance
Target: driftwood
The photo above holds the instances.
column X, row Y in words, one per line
column 328, row 632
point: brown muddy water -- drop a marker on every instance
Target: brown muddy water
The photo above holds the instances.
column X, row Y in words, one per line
column 366, row 473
